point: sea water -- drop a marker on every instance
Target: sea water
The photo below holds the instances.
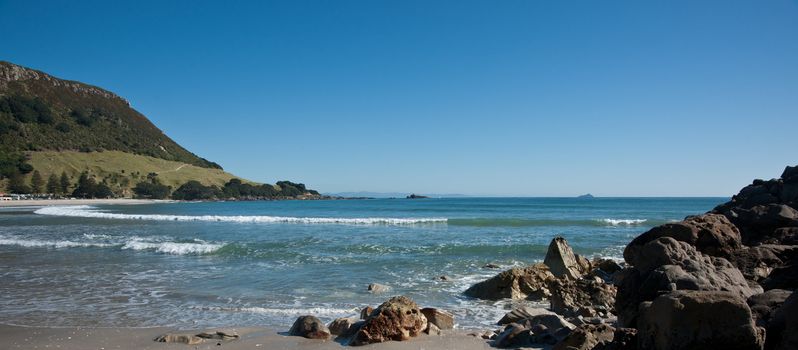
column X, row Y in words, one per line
column 193, row 265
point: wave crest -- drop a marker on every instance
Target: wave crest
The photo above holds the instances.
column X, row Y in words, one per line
column 85, row 211
column 628, row 222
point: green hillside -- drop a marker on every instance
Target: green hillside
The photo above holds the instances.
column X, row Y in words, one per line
column 40, row 112
column 72, row 139
column 121, row 171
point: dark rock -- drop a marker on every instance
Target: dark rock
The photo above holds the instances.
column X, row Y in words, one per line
column 759, row 223
column 711, row 234
column 438, row 317
column 530, row 282
column 608, row 266
column 561, row 260
column 783, row 328
column 623, row 339
column 790, row 174
column 553, row 323
column 666, row 264
column 432, row 329
column 756, row 263
column 491, row 266
column 764, row 305
column 309, row 327
column 520, row 313
column 587, row 337
column 783, row 235
column 397, row 319
column 572, row 298
column 514, row 335
column 784, row 277
column 698, row 320
column 444, row 278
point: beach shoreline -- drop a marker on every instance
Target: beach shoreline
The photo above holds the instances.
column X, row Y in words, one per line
column 79, row 338
column 54, row 202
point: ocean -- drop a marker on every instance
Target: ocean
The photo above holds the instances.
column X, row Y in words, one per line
column 206, row 264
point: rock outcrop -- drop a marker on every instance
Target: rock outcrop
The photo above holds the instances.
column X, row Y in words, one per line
column 397, row 319
column 562, row 261
column 529, row 282
column 309, row 327
column 690, row 319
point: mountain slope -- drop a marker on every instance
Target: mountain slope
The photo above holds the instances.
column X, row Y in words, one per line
column 40, row 112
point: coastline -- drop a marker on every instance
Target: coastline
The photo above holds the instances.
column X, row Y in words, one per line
column 51, row 202
column 78, row 338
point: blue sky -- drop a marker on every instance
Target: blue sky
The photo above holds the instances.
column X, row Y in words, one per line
column 526, row 98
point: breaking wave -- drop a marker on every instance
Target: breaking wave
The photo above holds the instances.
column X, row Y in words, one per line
column 160, row 245
column 85, row 211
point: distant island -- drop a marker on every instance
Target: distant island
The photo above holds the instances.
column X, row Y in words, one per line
column 416, row 196
column 61, row 138
column 588, row 195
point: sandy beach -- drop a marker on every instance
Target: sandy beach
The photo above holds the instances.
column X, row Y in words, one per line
column 49, row 202
column 15, row 337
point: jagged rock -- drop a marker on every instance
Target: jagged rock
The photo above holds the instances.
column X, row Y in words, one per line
column 343, row 326
column 377, row 288
column 397, row 319
column 783, row 235
column 623, row 339
column 760, row 222
column 561, row 260
column 530, row 282
column 764, row 305
column 587, row 337
column 309, row 327
column 711, row 234
column 521, row 313
column 366, row 312
column 189, row 339
column 698, row 319
column 554, row 323
column 438, row 317
column 756, row 263
column 666, row 264
column 585, row 297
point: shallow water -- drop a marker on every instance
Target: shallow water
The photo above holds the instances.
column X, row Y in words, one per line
column 264, row 263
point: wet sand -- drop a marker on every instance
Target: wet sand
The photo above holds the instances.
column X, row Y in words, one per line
column 15, row 337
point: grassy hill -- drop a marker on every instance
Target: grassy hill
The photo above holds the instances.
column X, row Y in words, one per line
column 122, row 170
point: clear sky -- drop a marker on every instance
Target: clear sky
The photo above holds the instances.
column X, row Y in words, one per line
column 528, row 98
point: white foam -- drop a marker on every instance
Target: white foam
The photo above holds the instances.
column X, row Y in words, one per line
column 316, row 311
column 35, row 243
column 90, row 212
column 173, row 247
column 629, row 222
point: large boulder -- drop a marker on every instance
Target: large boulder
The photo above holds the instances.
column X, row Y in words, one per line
column 756, row 263
column 343, row 327
column 764, row 305
column 783, row 277
column 562, row 261
column 711, row 234
column 698, row 320
column 438, row 317
column 309, row 327
column 397, row 319
column 665, row 265
column 583, row 297
column 529, row 282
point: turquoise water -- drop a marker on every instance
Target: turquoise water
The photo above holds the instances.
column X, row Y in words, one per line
column 194, row 265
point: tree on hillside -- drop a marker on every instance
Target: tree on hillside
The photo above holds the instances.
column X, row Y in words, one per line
column 36, row 182
column 194, row 190
column 64, row 183
column 151, row 190
column 16, row 184
column 52, row 184
column 89, row 188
